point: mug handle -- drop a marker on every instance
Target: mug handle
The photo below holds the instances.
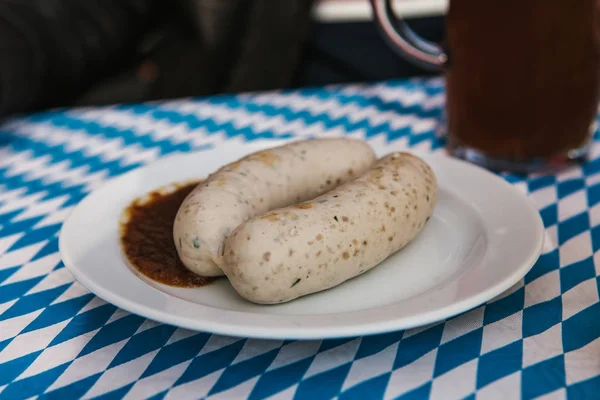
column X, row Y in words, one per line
column 405, row 41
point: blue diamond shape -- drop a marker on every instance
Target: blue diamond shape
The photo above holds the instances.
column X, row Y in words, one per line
column 499, row 363
column 541, row 317
column 504, row 307
column 58, row 312
column 541, row 182
column 34, row 385
column 543, row 377
column 12, row 369
column 571, row 186
column 112, row 333
column 49, row 248
column 75, row 390
column 31, row 302
column 279, row 379
column 85, row 322
column 242, row 371
column 373, row 388
column 8, row 216
column 5, row 343
column 596, row 238
column 370, row 345
column 176, row 353
column 324, row 385
column 581, row 329
column 5, row 273
column 392, row 135
column 587, row 389
column 420, row 393
column 35, row 236
column 576, row 273
column 416, row 346
column 514, row 178
column 19, row 226
column 458, row 351
column 593, row 195
column 143, row 343
column 208, row 363
column 332, row 343
column 116, row 394
column 591, row 167
column 549, row 215
column 159, row 396
column 546, row 263
column 572, row 227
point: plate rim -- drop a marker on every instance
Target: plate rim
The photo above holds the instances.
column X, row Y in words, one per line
column 297, row 331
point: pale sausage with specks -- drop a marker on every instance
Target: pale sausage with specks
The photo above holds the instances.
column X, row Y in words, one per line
column 290, row 252
column 262, row 181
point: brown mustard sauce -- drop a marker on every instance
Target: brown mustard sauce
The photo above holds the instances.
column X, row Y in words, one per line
column 147, row 238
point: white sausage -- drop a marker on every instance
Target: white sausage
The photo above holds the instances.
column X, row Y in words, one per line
column 291, row 252
column 259, row 182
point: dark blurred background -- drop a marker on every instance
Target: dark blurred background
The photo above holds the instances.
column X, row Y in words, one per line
column 56, row 53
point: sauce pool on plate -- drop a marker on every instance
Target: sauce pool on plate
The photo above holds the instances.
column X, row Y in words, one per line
column 147, row 237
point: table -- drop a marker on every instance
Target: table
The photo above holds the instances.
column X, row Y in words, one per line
column 60, row 341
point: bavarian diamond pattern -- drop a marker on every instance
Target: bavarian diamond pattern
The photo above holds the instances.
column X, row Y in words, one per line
column 59, row 341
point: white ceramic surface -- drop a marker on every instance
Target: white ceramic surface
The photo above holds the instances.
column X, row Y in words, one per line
column 484, row 236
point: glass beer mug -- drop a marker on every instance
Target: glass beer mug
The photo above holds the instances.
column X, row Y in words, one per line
column 522, row 78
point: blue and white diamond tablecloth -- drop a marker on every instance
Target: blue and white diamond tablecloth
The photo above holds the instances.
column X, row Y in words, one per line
column 59, row 341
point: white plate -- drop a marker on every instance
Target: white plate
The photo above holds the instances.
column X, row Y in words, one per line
column 482, row 239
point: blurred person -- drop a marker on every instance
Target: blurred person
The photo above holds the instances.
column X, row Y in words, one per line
column 76, row 52
column 56, row 53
